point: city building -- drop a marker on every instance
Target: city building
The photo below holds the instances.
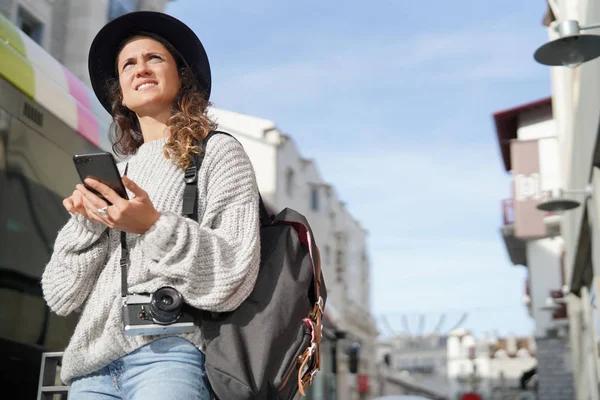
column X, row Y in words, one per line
column 413, row 364
column 488, row 366
column 576, row 109
column 66, row 28
column 527, row 137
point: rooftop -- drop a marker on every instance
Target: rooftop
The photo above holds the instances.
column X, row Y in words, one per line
column 507, row 124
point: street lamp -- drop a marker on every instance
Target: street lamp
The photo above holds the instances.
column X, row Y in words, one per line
column 559, row 204
column 571, row 49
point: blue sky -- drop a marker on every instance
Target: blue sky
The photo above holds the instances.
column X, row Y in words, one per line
column 394, row 101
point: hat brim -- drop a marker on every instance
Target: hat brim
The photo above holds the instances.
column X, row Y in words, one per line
column 103, row 51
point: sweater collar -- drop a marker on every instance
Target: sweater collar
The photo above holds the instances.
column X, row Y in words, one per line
column 152, row 148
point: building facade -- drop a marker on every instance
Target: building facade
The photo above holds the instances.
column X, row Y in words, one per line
column 489, row 366
column 575, row 105
column 66, row 28
column 414, row 364
column 527, row 137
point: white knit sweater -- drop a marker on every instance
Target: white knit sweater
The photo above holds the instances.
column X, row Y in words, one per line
column 213, row 262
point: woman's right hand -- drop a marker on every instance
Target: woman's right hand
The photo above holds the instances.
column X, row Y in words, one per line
column 74, row 204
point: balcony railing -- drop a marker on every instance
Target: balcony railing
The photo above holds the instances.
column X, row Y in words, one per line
column 508, row 211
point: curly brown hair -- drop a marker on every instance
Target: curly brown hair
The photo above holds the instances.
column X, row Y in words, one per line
column 189, row 123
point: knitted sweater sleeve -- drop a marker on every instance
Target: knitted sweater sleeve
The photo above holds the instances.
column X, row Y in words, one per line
column 213, row 262
column 80, row 251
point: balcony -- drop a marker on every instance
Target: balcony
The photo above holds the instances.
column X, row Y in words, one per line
column 517, row 246
column 508, row 211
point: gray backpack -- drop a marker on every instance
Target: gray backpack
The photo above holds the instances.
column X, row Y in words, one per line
column 269, row 347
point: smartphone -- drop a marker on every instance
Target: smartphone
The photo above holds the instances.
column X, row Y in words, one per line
column 101, row 167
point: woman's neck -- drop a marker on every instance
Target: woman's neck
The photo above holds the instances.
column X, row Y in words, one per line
column 154, row 128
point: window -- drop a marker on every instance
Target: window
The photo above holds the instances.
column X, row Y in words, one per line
column 314, row 199
column 327, row 254
column 30, row 25
column 116, row 8
column 339, row 265
column 326, row 200
column 289, row 182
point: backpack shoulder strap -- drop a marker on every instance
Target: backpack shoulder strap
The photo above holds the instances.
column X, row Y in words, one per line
column 190, row 194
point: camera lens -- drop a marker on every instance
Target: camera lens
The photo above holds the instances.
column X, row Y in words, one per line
column 165, row 301
column 165, row 305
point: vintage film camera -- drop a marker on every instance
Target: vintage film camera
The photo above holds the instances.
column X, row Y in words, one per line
column 160, row 313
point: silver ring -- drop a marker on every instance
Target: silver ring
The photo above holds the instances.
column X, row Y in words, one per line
column 102, row 212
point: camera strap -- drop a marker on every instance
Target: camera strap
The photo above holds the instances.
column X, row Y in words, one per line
column 124, row 255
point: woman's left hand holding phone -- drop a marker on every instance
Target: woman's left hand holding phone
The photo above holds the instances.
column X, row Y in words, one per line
column 136, row 215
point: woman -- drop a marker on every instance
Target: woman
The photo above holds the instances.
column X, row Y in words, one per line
column 150, row 72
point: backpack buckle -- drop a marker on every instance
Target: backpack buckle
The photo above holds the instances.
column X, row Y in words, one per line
column 311, row 349
column 320, row 304
column 317, row 310
column 191, row 174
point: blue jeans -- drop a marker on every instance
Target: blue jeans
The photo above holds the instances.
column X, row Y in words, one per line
column 169, row 368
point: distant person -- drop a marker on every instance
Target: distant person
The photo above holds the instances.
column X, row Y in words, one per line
column 150, row 71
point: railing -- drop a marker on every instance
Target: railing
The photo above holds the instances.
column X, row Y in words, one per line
column 508, row 211
column 47, row 388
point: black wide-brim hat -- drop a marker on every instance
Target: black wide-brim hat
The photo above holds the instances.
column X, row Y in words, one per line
column 103, row 51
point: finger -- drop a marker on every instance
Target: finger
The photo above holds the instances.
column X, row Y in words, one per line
column 135, row 189
column 105, row 191
column 92, row 210
column 77, row 199
column 90, row 201
column 68, row 205
column 90, row 196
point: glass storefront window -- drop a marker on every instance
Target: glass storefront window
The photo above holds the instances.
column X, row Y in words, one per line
column 35, row 175
column 116, row 8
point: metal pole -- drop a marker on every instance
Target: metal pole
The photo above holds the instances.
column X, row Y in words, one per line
column 583, row 28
